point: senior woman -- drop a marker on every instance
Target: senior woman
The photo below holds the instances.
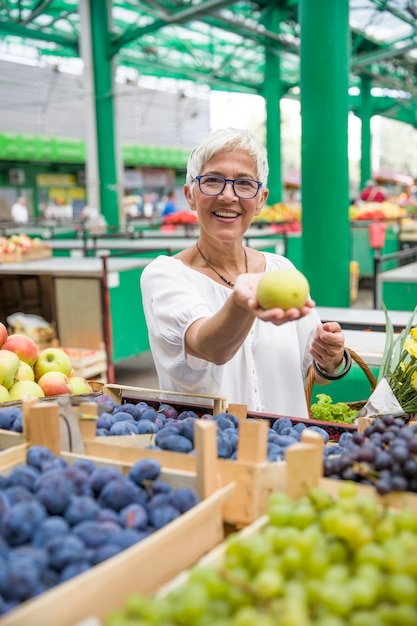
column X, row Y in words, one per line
column 207, row 333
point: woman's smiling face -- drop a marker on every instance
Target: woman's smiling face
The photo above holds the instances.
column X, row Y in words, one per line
column 226, row 213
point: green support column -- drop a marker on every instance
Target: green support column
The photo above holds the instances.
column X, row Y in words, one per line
column 103, row 83
column 272, row 94
column 366, row 141
column 325, row 179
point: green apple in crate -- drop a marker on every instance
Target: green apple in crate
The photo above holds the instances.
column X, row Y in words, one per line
column 25, row 348
column 9, row 364
column 52, row 360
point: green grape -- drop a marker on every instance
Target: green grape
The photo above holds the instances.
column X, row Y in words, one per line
column 385, row 529
column 337, row 551
column 190, row 606
column 337, row 573
column 364, row 592
column 268, row 583
column 140, row 607
column 307, row 539
column 317, row 562
column 401, row 589
column 364, row 618
column 250, row 616
column 216, row 586
column 349, row 490
column 406, row 519
column 292, row 560
column 284, row 538
column 329, row 620
column 402, row 615
column 348, row 527
column 372, row 553
column 368, row 509
column 278, row 497
column 118, row 618
column 279, row 514
column 320, row 499
column 303, row 515
column 336, row 599
column 395, row 555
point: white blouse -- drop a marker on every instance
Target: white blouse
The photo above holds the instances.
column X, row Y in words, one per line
column 267, row 374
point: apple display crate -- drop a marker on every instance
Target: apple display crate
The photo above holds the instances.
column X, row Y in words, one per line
column 32, row 254
column 144, row 567
column 88, row 362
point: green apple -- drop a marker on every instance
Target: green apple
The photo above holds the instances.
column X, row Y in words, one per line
column 4, row 394
column 285, row 288
column 52, row 360
column 9, row 364
column 24, row 372
column 25, row 389
column 79, row 385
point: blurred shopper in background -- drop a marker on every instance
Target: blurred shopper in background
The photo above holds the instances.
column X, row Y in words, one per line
column 373, row 192
column 170, row 206
column 19, row 211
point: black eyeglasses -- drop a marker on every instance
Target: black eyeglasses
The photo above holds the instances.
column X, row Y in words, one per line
column 245, row 188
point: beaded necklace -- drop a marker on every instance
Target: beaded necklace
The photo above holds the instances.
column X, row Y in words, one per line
column 225, row 280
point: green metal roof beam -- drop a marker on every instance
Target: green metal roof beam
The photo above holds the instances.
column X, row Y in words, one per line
column 180, row 16
column 37, row 11
column 381, row 55
column 383, row 5
column 39, row 35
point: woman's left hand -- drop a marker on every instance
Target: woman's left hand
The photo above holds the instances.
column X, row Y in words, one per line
column 328, row 346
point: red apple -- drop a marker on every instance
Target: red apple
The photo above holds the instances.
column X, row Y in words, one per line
column 9, row 364
column 4, row 394
column 52, row 360
column 25, row 348
column 25, row 389
column 54, row 384
column 3, row 334
column 79, row 385
column 24, row 372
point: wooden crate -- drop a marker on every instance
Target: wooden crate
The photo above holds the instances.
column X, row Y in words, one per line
column 87, row 362
column 255, row 478
column 202, row 404
column 143, row 567
column 32, row 254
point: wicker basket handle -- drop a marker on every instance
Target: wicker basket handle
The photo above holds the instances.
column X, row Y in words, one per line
column 311, row 375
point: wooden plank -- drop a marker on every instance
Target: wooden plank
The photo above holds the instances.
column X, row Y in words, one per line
column 106, row 450
column 9, row 438
column 205, row 443
column 106, row 586
column 87, row 418
column 395, row 500
column 253, row 441
column 303, row 470
column 238, row 410
column 44, row 426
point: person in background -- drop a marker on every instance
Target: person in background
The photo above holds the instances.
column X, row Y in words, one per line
column 19, row 211
column 170, row 206
column 373, row 192
column 208, row 334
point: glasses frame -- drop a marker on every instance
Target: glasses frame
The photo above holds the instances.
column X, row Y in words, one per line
column 232, row 182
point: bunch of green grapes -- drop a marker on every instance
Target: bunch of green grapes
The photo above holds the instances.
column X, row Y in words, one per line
column 316, row 562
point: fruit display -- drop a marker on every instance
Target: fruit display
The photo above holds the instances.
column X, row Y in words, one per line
column 376, row 211
column 59, row 520
column 22, row 247
column 180, row 217
column 318, row 561
column 27, row 372
column 384, row 455
column 279, row 212
column 285, row 288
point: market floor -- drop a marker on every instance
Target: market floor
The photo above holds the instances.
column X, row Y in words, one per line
column 140, row 371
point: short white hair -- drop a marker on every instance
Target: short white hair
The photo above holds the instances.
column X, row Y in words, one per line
column 228, row 139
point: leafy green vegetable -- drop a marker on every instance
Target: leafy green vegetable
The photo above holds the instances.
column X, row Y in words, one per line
column 326, row 411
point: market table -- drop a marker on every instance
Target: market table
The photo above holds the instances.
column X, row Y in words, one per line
column 364, row 319
column 93, row 302
column 397, row 288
